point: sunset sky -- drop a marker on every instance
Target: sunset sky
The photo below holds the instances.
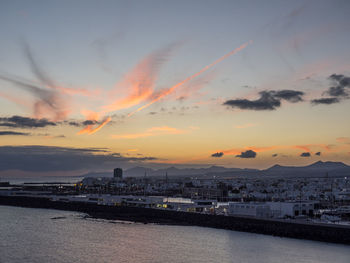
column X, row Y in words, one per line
column 89, row 85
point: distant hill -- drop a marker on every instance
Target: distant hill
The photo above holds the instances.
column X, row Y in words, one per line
column 317, row 169
column 173, row 171
column 333, row 169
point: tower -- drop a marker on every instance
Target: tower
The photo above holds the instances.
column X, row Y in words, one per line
column 118, row 173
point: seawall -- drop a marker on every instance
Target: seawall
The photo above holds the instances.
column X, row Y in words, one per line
column 318, row 232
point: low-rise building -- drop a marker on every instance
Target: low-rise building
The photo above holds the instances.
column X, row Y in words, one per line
column 261, row 210
column 292, row 208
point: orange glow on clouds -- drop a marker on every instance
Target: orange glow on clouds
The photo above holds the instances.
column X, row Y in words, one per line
column 170, row 90
column 154, row 131
column 140, row 81
column 308, row 147
column 247, row 125
column 343, row 140
column 90, row 130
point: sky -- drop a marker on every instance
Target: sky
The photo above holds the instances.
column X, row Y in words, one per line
column 91, row 85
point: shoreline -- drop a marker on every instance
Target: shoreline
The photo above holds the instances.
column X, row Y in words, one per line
column 300, row 230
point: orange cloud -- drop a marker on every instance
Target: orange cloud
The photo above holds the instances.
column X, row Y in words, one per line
column 170, row 90
column 140, row 81
column 16, row 100
column 308, row 147
column 89, row 129
column 133, row 150
column 343, row 140
column 154, row 131
column 247, row 125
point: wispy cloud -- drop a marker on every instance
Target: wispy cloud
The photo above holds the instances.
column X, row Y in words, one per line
column 13, row 133
column 247, row 125
column 309, row 147
column 140, row 82
column 345, row 140
column 90, row 129
column 49, row 103
column 154, row 131
column 165, row 92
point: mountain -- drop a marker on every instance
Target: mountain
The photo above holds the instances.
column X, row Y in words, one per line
column 317, row 169
column 197, row 172
column 332, row 169
column 328, row 165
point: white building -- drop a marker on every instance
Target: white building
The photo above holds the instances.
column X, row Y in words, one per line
column 261, row 210
column 291, row 209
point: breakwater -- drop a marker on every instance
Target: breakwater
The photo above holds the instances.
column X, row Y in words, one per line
column 319, row 232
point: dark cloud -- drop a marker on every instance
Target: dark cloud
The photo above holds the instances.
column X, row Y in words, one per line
column 326, row 101
column 342, row 84
column 247, row 154
column 5, row 133
column 274, row 155
column 79, row 123
column 217, row 154
column 289, row 95
column 338, row 92
column 342, row 80
column 269, row 100
column 50, row 158
column 265, row 102
column 25, row 122
column 318, row 153
column 73, row 123
column 89, row 122
column 305, row 154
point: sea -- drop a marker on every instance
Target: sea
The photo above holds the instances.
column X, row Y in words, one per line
column 44, row 235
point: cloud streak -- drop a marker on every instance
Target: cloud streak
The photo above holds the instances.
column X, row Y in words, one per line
column 25, row 122
column 90, row 129
column 12, row 133
column 326, row 101
column 165, row 92
column 140, row 81
column 154, row 131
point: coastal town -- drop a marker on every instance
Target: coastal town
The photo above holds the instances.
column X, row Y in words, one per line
column 322, row 199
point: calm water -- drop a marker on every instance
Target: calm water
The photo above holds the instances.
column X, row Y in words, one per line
column 32, row 235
